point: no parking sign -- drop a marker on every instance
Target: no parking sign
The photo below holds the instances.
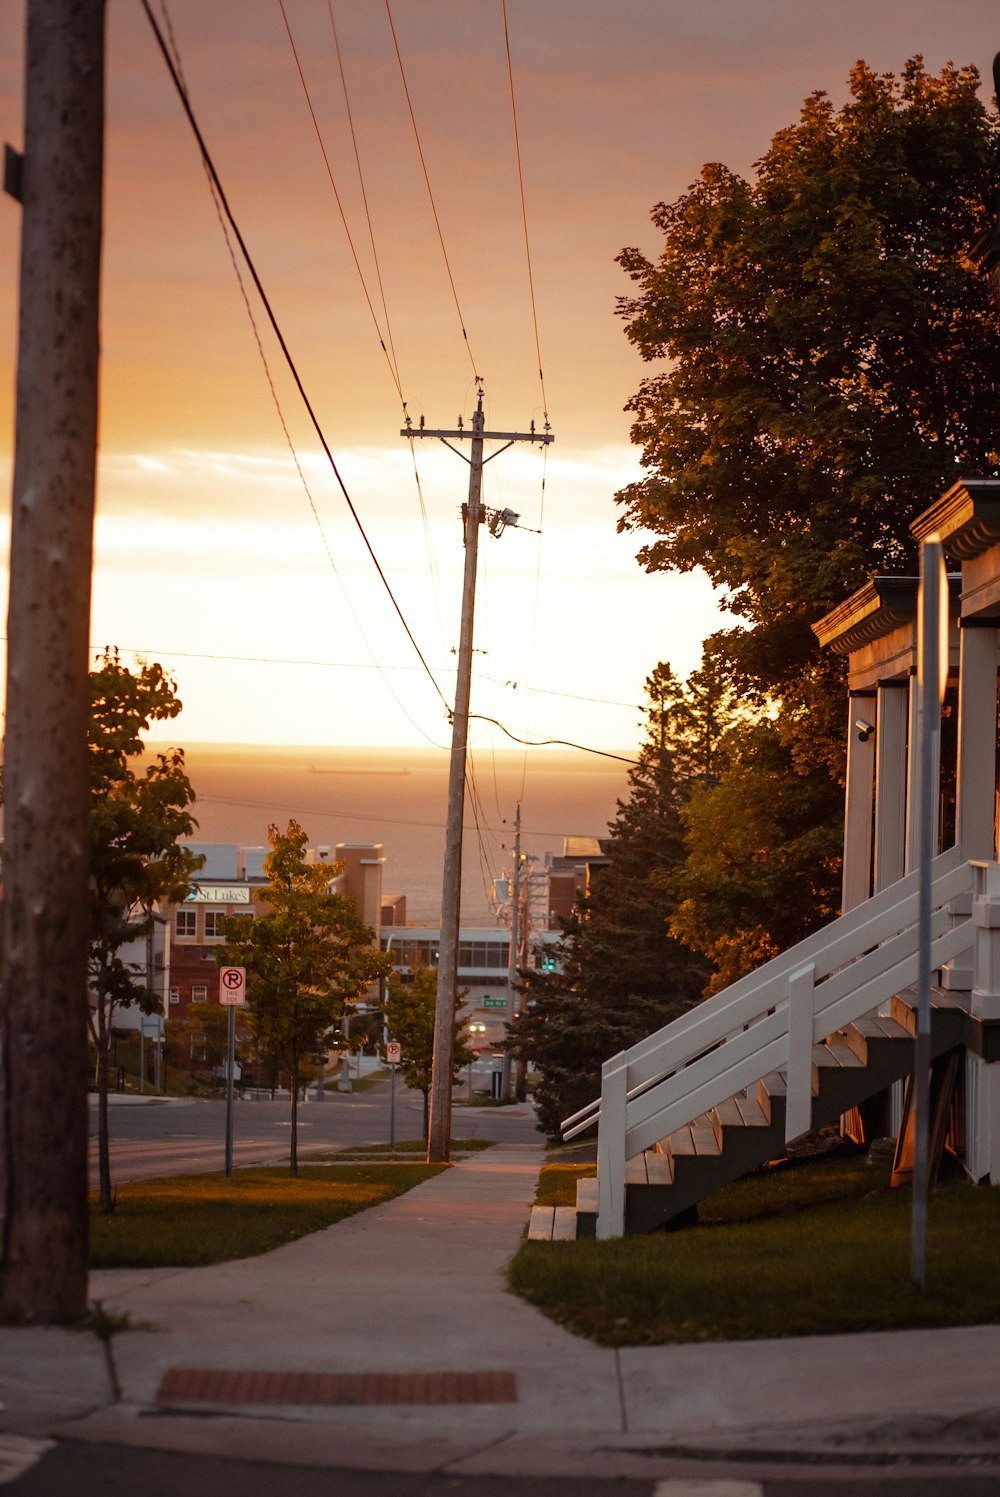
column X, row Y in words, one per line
column 232, row 985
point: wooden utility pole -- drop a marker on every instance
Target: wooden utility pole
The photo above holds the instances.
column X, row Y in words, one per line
column 439, row 1131
column 43, row 1114
column 514, row 953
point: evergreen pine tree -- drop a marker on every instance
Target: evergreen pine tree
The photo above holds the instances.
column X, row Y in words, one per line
column 621, row 974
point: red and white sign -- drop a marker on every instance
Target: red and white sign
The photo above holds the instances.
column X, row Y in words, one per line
column 232, row 985
column 393, row 1052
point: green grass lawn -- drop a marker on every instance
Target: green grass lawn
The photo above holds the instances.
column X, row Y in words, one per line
column 818, row 1249
column 408, row 1146
column 190, row 1220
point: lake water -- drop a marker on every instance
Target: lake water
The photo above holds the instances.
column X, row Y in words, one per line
column 399, row 797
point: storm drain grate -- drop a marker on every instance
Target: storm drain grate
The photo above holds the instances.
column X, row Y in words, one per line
column 219, row 1385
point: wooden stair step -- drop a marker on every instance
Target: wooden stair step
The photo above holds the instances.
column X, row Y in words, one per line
column 872, row 1029
column 771, row 1088
column 635, row 1171
column 680, row 1142
column 564, row 1224
column 540, row 1224
column 703, row 1135
column 659, row 1168
column 750, row 1111
column 586, row 1193
column 836, row 1053
column 728, row 1114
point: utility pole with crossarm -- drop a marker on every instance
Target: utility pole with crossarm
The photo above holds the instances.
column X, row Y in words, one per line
column 439, row 1133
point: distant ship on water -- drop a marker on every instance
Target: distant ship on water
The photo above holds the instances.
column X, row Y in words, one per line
column 322, row 769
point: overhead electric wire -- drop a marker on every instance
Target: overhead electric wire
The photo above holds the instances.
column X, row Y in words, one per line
column 538, row 343
column 390, row 356
column 550, row 742
column 222, row 203
column 364, row 193
column 210, row 166
column 524, row 215
column 389, row 352
column 175, row 51
column 296, row 810
column 430, row 193
column 352, row 665
column 479, row 817
column 538, row 590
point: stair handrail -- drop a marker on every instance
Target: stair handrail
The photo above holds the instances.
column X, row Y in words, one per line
column 767, row 1019
column 686, row 1038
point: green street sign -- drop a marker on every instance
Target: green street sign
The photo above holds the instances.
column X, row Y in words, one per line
column 494, row 1003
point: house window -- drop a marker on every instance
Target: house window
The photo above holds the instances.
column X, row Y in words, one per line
column 213, row 927
column 199, row 992
column 186, row 922
column 175, row 995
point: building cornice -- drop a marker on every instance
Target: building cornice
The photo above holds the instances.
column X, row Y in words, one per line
column 966, row 518
column 876, row 609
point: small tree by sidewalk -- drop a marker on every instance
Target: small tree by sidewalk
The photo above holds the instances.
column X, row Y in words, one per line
column 409, row 1015
column 308, row 960
column 135, row 858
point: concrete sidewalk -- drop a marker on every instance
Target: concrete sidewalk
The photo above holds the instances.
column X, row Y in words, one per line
column 402, row 1311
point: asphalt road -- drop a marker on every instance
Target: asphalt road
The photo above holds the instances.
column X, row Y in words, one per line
column 85, row 1469
column 181, row 1136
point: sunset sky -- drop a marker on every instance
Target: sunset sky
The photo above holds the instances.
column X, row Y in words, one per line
column 209, row 554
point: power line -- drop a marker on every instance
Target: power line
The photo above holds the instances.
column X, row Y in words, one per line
column 355, row 665
column 297, row 810
column 210, row 166
column 364, row 196
column 175, row 51
column 524, row 215
column 390, row 357
column 550, row 742
column 390, row 350
column 430, row 193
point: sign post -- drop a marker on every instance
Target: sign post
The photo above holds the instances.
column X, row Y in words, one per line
column 150, row 1028
column 232, row 994
column 393, row 1054
column 932, row 678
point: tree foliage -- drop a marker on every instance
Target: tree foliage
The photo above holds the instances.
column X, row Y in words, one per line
column 832, row 354
column 763, row 855
column 136, row 820
column 308, row 960
column 620, row 972
column 409, row 1014
column 828, row 362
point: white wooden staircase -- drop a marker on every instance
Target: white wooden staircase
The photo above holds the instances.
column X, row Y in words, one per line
column 727, row 1086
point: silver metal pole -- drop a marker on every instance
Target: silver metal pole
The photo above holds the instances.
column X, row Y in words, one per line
column 230, row 1068
column 392, row 1106
column 933, row 593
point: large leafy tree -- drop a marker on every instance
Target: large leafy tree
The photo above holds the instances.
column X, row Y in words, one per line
column 136, row 819
column 830, row 355
column 828, row 361
column 409, row 1015
column 308, row 960
column 620, row 973
column 763, row 854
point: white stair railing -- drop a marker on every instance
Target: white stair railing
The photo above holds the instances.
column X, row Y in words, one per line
column 766, row 1021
